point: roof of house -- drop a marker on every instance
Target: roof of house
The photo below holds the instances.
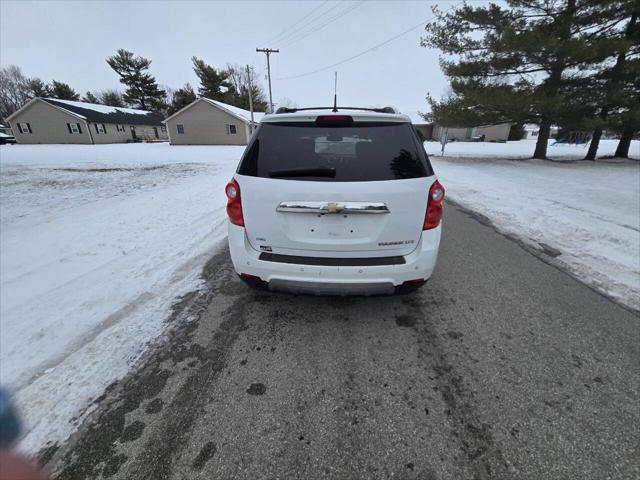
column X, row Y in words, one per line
column 96, row 113
column 240, row 113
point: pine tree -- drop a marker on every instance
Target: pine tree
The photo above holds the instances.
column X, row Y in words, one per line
column 181, row 98
column 516, row 132
column 514, row 63
column 241, row 81
column 612, row 87
column 142, row 90
column 38, row 89
column 90, row 98
column 628, row 121
column 214, row 83
column 112, row 98
column 62, row 91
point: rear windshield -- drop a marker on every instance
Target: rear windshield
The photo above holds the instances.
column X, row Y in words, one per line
column 354, row 153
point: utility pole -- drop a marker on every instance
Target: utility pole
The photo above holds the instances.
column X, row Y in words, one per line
column 250, row 97
column 269, row 51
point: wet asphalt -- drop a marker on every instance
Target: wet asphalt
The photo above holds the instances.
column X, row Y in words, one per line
column 502, row 366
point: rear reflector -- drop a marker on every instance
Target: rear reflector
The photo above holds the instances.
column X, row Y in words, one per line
column 334, row 120
column 433, row 216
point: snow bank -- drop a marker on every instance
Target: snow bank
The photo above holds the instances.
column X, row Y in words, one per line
column 97, row 242
column 524, row 149
column 588, row 211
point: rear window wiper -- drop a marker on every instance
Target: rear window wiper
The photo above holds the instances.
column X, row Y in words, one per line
column 304, row 172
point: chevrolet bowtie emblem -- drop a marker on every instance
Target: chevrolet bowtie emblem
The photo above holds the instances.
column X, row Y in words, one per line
column 332, row 208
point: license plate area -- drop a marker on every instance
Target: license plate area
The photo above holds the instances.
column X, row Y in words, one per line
column 316, row 227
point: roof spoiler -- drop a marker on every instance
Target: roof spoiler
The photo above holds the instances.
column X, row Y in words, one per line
column 390, row 110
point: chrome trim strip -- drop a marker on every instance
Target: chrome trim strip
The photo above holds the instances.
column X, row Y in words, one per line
column 333, row 207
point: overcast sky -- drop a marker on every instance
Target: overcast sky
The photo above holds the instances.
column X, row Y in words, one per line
column 69, row 41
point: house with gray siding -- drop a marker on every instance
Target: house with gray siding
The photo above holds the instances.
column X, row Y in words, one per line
column 431, row 131
column 49, row 120
column 492, row 133
column 209, row 122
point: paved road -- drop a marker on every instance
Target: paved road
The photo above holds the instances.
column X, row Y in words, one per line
column 501, row 367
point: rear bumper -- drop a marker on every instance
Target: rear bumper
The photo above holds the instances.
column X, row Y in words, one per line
column 335, row 280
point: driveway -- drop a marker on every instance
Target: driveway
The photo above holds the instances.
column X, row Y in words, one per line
column 502, row 366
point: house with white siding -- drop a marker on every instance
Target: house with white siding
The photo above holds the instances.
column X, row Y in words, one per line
column 49, row 120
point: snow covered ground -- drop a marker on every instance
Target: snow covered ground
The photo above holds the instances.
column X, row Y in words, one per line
column 588, row 212
column 97, row 242
column 525, row 148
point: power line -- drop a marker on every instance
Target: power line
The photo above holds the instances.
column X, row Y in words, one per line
column 309, row 23
column 297, row 22
column 356, row 55
column 297, row 38
column 353, row 57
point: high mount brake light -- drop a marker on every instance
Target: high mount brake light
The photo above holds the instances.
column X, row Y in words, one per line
column 433, row 215
column 234, row 204
column 334, row 120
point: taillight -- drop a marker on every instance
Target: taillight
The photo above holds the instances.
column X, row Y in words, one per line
column 234, row 204
column 434, row 206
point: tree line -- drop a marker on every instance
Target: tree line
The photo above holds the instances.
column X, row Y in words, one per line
column 570, row 63
column 231, row 85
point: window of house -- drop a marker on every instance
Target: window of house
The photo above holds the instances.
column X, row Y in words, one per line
column 534, row 134
column 163, row 129
column 24, row 128
column 74, row 128
column 100, row 128
column 231, row 129
column 180, row 128
column 120, row 128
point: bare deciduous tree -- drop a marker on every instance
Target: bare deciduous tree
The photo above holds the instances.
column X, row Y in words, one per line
column 15, row 90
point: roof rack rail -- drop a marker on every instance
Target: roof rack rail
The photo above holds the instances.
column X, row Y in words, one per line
column 377, row 110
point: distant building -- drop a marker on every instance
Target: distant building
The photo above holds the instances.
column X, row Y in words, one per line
column 424, row 128
column 49, row 120
column 531, row 131
column 431, row 131
column 6, row 130
column 492, row 133
column 209, row 122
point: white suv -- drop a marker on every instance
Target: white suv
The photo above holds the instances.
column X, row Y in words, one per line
column 335, row 202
